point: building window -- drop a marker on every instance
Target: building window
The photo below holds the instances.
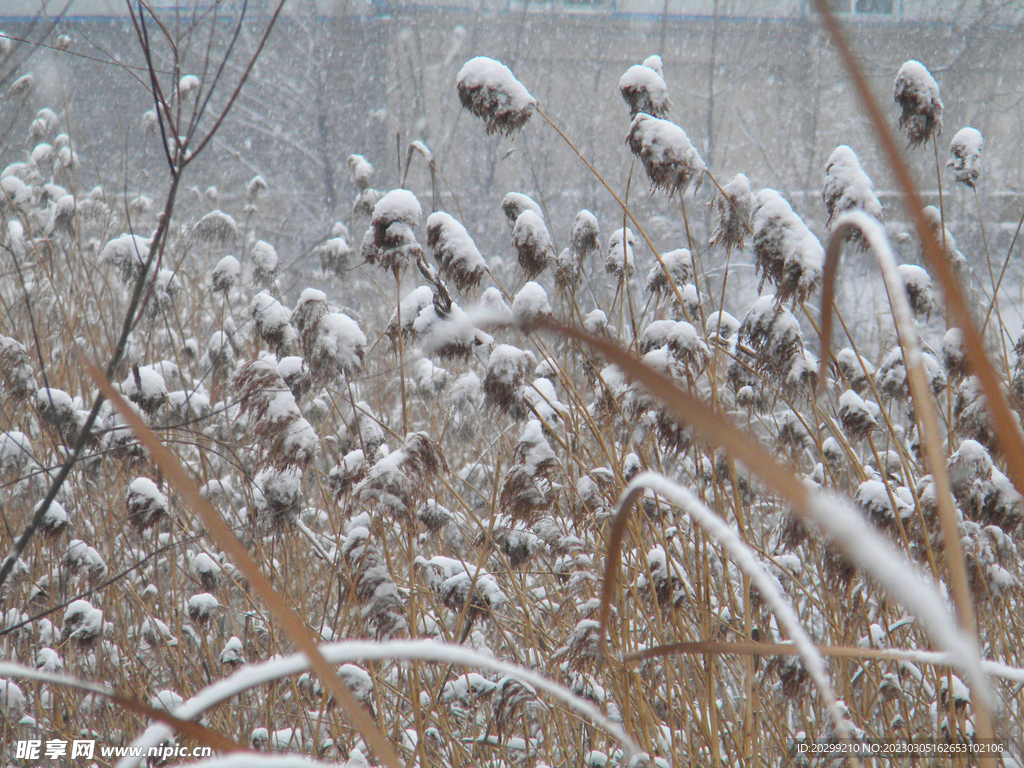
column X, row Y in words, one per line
column 865, row 7
column 873, row 6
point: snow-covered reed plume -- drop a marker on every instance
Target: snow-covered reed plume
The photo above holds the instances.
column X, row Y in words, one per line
column 366, row 197
column 766, row 584
column 215, row 229
column 966, row 160
column 918, row 285
column 273, row 322
column 532, row 242
column 530, row 306
column 846, row 188
column 146, row 503
column 489, row 90
column 773, row 333
column 514, row 203
column 455, row 251
column 643, row 89
column 381, row 606
column 332, row 343
column 17, row 380
column 584, row 247
column 917, row 93
column 335, row 254
column 618, row 259
column 282, row 436
column 459, row 586
column 390, row 242
column 787, row 252
column 226, row 275
column 265, row 263
column 397, row 480
column 507, row 369
column 671, row 161
column 662, row 281
column 731, row 212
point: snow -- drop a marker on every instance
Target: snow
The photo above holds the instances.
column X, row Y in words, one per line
column 451, row 577
column 277, row 497
column 335, row 255
column 489, row 90
column 398, row 205
column 430, row 379
column 771, row 329
column 205, row 568
column 493, row 309
column 265, row 261
column 12, row 701
column 847, row 186
column 291, row 368
column 232, row 652
column 532, row 243
column 166, row 700
column 644, row 90
column 15, row 451
column 48, row 660
column 454, row 250
column 654, row 62
column 338, row 345
column 468, row 688
column 655, row 335
column 857, row 416
column 918, row 285
column 411, row 306
column 452, row 335
column 671, row 161
column 530, row 305
column 358, row 681
column 787, row 252
column 202, row 607
column 619, row 257
column 127, row 254
column 146, row 503
column 55, row 519
column 145, row 489
column 226, row 274
column 596, row 322
column 678, row 265
column 82, row 622
column 514, row 203
column 273, row 320
column 721, row 326
column 688, row 347
column 361, row 171
column 533, row 449
column 215, row 228
column 150, row 387
column 187, row 85
column 917, row 93
column 422, row 148
column 585, row 236
column 966, row 151
column 542, row 397
column 15, row 189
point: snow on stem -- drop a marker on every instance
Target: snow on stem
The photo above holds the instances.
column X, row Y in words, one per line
column 920, row 389
column 366, row 650
column 747, row 561
column 840, row 520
